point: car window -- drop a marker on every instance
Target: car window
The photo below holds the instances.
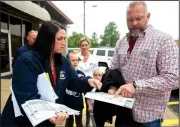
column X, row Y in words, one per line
column 100, row 53
column 110, row 53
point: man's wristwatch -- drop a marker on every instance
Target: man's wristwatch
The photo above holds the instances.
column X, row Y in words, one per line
column 134, row 84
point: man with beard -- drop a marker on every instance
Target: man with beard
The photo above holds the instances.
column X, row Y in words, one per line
column 148, row 61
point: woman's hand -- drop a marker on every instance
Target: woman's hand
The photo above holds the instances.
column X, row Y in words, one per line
column 59, row 119
column 95, row 83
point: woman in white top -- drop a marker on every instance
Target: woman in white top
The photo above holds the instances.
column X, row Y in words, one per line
column 87, row 64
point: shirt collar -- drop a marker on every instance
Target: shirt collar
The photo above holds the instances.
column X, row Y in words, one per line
column 81, row 57
column 148, row 29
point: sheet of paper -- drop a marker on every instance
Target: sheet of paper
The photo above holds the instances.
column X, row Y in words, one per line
column 112, row 99
column 33, row 117
column 63, row 108
column 17, row 111
column 93, row 90
column 45, row 88
column 39, row 110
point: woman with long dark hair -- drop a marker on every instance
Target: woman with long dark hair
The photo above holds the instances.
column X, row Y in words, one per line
column 44, row 56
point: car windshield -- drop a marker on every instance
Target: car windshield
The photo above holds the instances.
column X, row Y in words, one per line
column 110, row 53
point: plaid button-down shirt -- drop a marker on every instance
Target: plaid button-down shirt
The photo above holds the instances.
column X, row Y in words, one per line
column 153, row 65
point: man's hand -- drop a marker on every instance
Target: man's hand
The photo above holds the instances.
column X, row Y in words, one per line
column 59, row 119
column 127, row 90
column 112, row 91
column 95, row 83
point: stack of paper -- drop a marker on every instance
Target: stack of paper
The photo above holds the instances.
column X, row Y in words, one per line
column 38, row 110
column 45, row 88
column 112, row 99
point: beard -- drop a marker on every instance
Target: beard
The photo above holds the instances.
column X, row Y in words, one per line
column 135, row 32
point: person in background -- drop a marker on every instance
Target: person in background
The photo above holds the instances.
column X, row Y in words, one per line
column 87, row 64
column 148, row 60
column 97, row 74
column 74, row 99
column 45, row 56
column 31, row 37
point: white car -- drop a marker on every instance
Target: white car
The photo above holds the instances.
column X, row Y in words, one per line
column 103, row 55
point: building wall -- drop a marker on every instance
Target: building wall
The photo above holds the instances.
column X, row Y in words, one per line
column 15, row 25
column 17, row 31
column 36, row 24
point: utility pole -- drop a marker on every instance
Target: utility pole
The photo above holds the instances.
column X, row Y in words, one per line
column 109, row 41
column 84, row 18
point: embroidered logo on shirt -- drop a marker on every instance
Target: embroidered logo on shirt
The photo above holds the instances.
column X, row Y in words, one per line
column 62, row 75
column 72, row 93
column 80, row 75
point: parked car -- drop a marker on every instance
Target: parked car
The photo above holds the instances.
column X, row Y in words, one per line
column 103, row 55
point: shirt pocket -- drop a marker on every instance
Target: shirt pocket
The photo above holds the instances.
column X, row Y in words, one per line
column 143, row 56
column 122, row 58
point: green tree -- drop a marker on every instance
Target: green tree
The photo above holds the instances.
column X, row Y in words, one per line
column 111, row 35
column 73, row 40
column 94, row 40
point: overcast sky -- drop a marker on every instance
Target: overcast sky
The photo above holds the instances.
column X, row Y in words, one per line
column 164, row 15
